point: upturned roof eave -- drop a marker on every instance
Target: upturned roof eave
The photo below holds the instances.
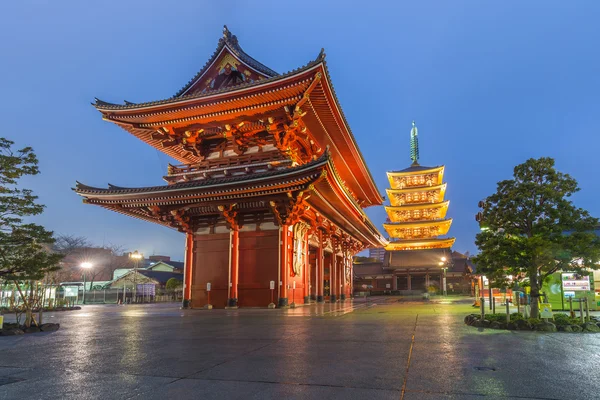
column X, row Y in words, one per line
column 415, row 170
column 447, row 221
column 106, row 107
column 91, row 192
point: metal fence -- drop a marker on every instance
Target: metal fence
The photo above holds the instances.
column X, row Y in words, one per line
column 55, row 297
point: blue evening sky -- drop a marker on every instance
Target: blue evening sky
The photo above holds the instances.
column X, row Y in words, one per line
column 489, row 83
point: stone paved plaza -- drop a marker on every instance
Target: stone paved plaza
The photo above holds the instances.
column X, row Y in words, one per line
column 381, row 350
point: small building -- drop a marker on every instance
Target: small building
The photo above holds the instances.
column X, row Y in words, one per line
column 166, row 267
column 144, row 276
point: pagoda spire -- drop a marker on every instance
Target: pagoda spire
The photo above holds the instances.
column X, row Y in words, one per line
column 414, row 144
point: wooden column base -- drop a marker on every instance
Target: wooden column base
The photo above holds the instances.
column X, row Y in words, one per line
column 232, row 303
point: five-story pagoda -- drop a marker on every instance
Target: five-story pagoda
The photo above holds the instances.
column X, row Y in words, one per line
column 417, row 211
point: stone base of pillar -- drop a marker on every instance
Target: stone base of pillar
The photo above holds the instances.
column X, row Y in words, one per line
column 283, row 302
column 313, row 297
column 232, row 303
column 332, row 298
column 185, row 304
column 320, row 299
column 306, row 299
column 343, row 297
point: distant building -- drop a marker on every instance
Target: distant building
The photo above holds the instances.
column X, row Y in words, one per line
column 144, row 276
column 377, row 253
column 415, row 271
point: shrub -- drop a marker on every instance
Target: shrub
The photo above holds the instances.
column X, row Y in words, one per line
column 173, row 283
column 564, row 320
column 515, row 316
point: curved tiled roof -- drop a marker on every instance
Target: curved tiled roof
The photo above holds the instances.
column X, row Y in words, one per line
column 417, row 168
column 83, row 189
column 104, row 105
column 232, row 44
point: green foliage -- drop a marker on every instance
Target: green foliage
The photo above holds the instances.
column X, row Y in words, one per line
column 515, row 316
column 526, row 221
column 24, row 247
column 564, row 319
column 496, row 317
column 24, row 253
column 173, row 283
column 502, row 317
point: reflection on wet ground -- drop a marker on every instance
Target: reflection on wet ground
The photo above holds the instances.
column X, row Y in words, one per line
column 380, row 348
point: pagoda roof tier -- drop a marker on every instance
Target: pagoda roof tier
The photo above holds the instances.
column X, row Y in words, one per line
column 436, row 211
column 318, row 179
column 420, row 244
column 429, row 229
column 402, row 179
column 433, row 194
column 268, row 102
column 416, row 169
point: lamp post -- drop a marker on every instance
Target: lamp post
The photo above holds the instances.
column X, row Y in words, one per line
column 136, row 257
column 444, row 268
column 85, row 266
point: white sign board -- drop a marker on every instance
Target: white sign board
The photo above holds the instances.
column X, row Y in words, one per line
column 272, row 285
column 575, row 282
column 387, row 286
column 208, row 286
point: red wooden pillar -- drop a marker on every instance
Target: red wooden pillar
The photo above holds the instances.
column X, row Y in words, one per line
column 188, row 269
column 333, row 279
column 306, row 271
column 284, row 270
column 320, row 275
column 343, row 275
column 351, row 283
column 234, row 260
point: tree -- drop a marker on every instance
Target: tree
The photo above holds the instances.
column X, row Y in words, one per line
column 173, row 284
column 68, row 244
column 25, row 254
column 531, row 229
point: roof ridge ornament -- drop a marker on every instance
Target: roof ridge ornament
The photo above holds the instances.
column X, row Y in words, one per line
column 229, row 37
column 414, row 144
column 321, row 55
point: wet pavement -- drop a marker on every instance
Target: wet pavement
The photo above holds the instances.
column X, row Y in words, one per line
column 382, row 349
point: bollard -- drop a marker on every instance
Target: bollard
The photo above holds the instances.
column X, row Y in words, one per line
column 581, row 310
column 482, row 300
column 587, row 310
column 571, row 312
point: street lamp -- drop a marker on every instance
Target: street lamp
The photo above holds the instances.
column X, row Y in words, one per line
column 85, row 265
column 136, row 257
column 442, row 264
